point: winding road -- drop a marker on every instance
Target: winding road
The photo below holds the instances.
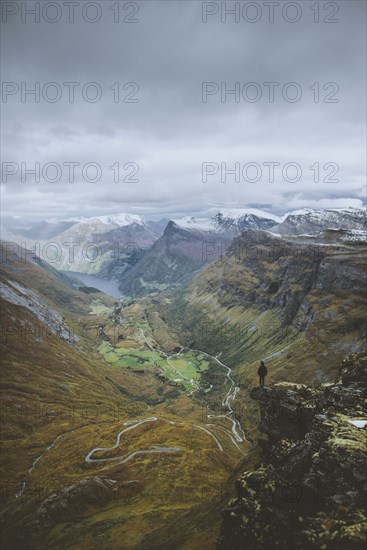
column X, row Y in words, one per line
column 236, row 435
column 237, row 431
column 231, row 394
column 154, row 449
column 133, row 424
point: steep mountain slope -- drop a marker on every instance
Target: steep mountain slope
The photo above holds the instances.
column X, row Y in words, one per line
column 299, row 304
column 103, row 245
column 97, row 451
column 187, row 245
column 308, row 488
column 84, row 376
column 184, row 248
column 295, row 302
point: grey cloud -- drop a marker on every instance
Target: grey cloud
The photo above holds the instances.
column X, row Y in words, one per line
column 170, row 132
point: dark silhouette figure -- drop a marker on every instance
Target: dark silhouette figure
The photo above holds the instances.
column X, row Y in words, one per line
column 262, row 372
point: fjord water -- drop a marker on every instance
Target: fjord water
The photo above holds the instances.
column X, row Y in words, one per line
column 106, row 286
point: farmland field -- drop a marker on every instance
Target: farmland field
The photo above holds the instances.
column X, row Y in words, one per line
column 184, row 367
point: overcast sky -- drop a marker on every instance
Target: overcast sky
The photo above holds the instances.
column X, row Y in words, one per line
column 170, row 132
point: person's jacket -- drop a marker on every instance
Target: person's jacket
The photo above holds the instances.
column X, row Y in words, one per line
column 263, row 371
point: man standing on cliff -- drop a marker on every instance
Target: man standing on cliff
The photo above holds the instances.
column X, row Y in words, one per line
column 262, row 372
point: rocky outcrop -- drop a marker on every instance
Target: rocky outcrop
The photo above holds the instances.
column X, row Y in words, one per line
column 287, row 410
column 309, row 490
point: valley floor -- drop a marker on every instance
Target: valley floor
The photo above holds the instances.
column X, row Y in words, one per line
column 126, row 422
column 116, row 446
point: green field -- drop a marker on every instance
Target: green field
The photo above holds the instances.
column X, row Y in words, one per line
column 185, row 368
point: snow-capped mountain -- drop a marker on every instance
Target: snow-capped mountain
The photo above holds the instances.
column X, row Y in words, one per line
column 105, row 245
column 240, row 219
column 88, row 228
column 242, row 213
column 196, row 224
column 236, row 219
column 188, row 244
column 311, row 221
column 111, row 245
column 49, row 228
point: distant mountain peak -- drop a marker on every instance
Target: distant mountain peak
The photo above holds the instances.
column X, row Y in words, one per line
column 311, row 220
column 119, row 220
column 196, row 224
column 238, row 213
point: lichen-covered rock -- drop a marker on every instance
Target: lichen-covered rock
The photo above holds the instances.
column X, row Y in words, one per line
column 309, row 492
column 287, row 410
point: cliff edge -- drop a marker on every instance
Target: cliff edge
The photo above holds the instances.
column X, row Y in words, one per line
column 309, row 490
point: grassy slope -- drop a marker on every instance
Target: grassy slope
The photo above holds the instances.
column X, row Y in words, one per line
column 225, row 310
column 51, row 389
column 71, row 391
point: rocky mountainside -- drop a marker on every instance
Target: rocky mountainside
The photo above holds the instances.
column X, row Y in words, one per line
column 183, row 249
column 106, row 246
column 308, row 490
column 310, row 221
column 113, row 246
column 265, row 271
column 248, row 218
column 80, row 368
column 187, row 245
column 297, row 302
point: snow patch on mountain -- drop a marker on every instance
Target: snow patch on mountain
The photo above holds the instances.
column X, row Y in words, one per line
column 308, row 220
column 196, row 224
column 356, row 235
column 324, row 212
column 102, row 224
column 228, row 214
column 239, row 213
column 120, row 220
